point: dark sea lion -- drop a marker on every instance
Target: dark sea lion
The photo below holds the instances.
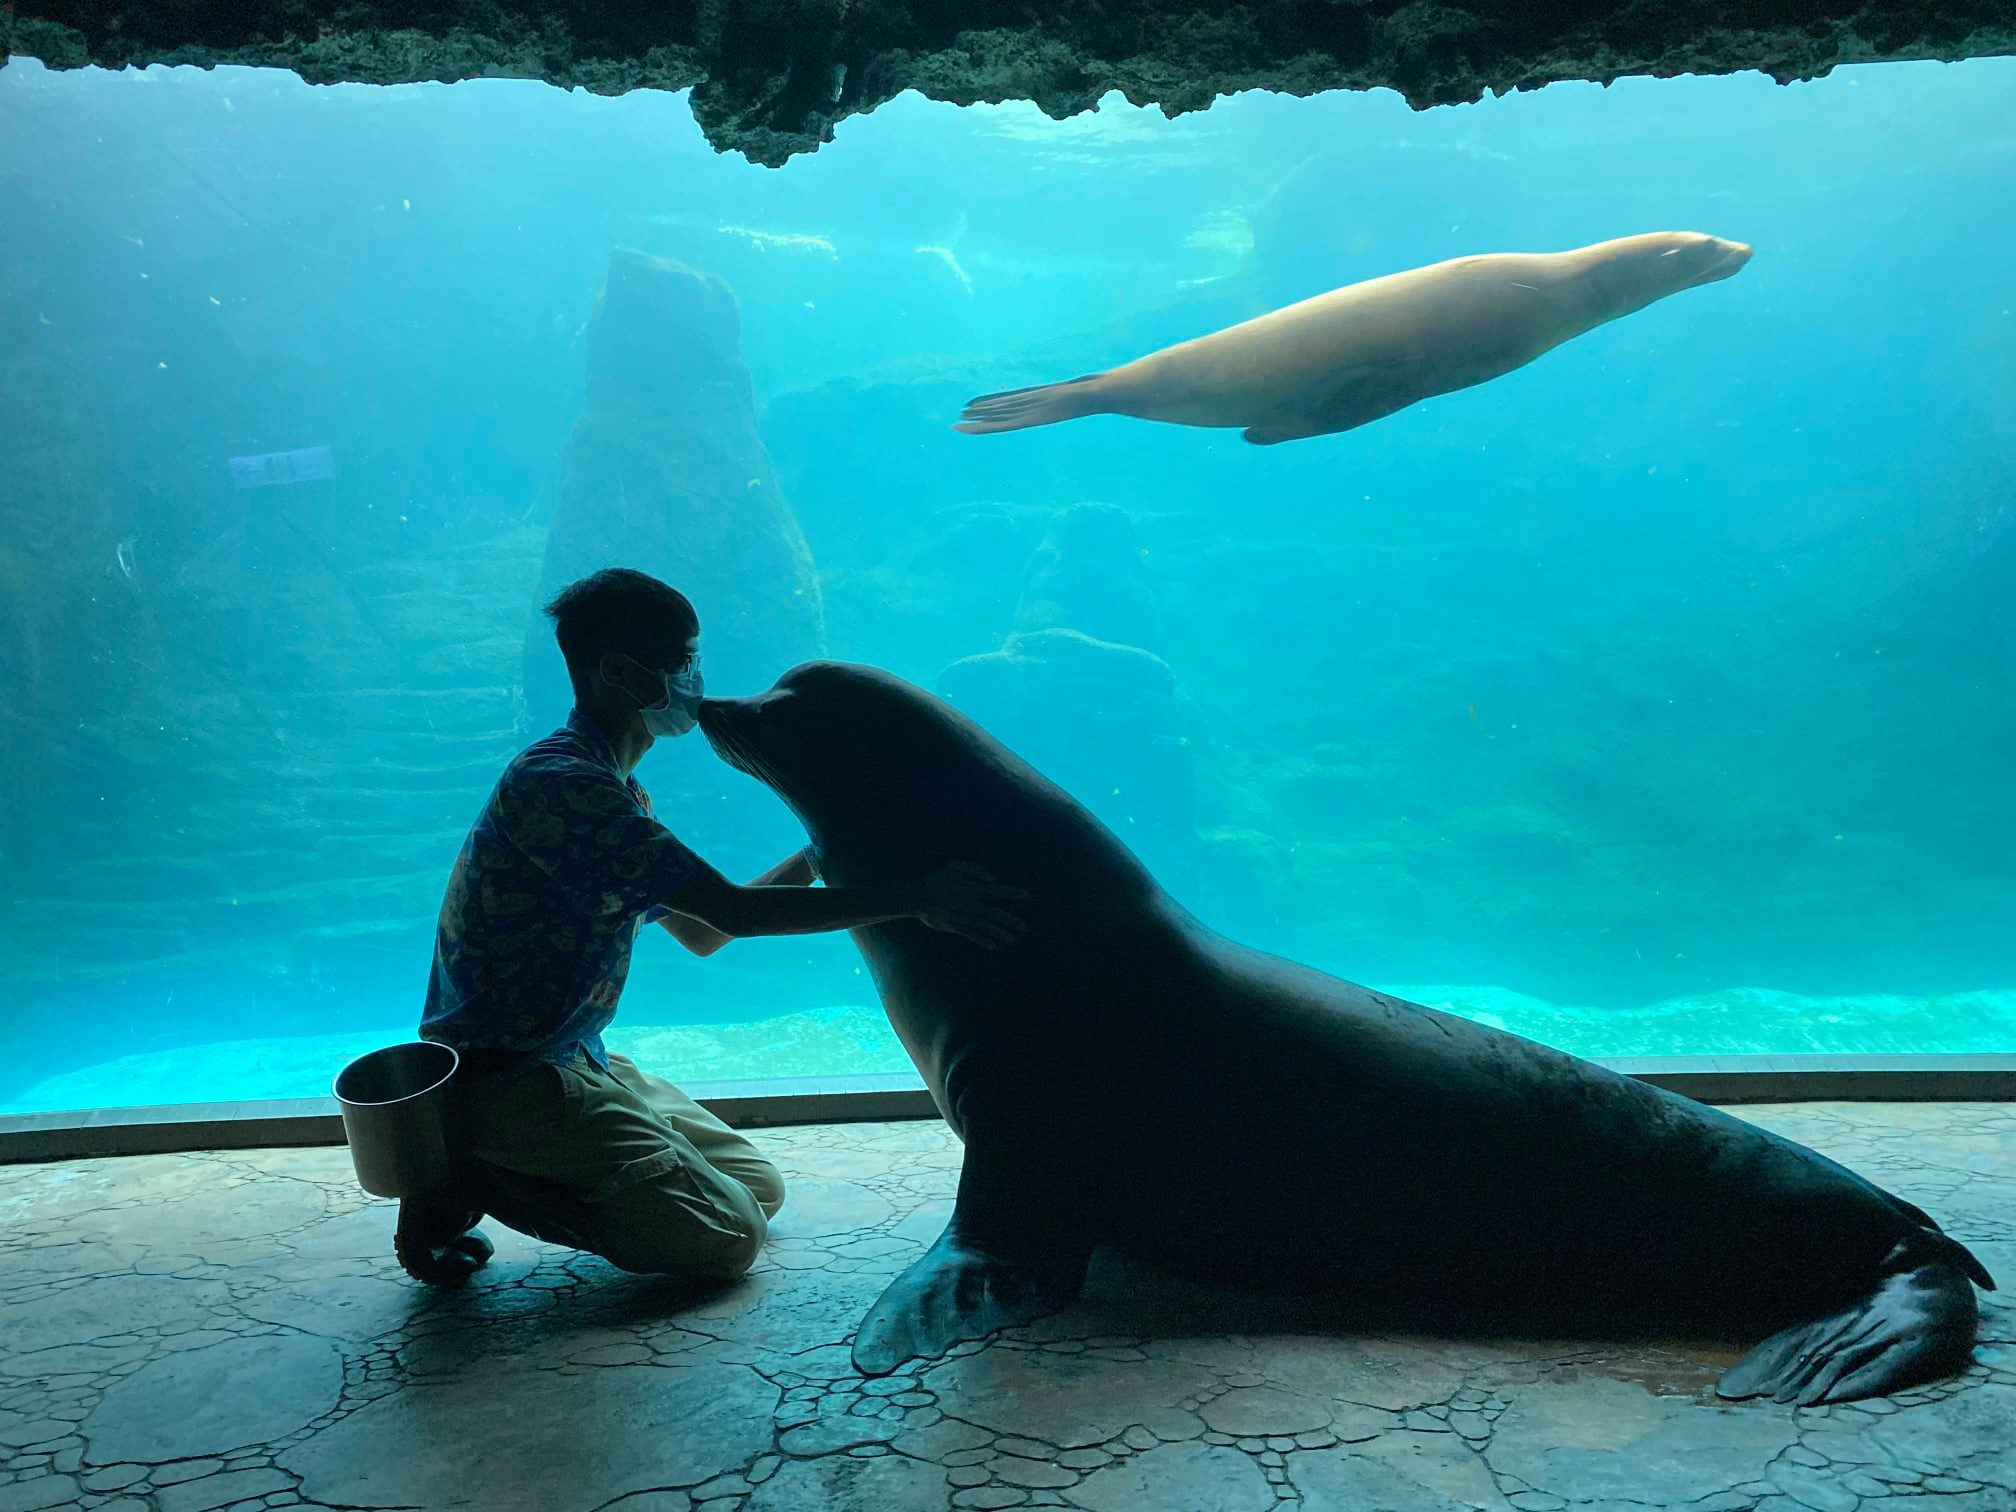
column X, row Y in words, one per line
column 1365, row 351
column 1124, row 1076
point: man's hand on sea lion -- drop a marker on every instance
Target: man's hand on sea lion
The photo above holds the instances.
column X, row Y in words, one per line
column 964, row 899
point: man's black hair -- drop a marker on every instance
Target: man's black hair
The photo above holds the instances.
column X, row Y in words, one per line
column 622, row 612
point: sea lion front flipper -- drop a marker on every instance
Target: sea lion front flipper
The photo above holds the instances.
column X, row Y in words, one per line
column 1357, row 398
column 1917, row 1326
column 952, row 1294
column 1013, row 1252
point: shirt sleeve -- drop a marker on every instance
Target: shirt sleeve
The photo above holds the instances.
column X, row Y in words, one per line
column 585, row 829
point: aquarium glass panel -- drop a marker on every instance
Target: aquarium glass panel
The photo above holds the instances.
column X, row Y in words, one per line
column 1654, row 696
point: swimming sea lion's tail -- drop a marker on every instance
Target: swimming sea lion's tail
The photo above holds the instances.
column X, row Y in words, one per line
column 1019, row 409
column 1916, row 1325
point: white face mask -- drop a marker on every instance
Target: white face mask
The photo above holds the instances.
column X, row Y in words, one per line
column 677, row 715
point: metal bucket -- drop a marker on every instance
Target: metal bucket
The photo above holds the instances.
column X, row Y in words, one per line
column 395, row 1116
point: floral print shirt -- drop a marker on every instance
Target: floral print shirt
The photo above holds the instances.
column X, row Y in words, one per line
column 563, row 868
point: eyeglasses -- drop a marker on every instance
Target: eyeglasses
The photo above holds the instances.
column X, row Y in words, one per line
column 680, row 668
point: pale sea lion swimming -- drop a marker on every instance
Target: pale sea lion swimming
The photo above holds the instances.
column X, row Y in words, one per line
column 1125, row 1076
column 1365, row 351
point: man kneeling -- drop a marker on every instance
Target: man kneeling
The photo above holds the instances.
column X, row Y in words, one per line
column 560, row 1139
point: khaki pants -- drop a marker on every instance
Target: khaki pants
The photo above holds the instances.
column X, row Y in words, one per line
column 621, row 1163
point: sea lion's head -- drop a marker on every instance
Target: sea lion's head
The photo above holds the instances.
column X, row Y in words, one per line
column 891, row 781
column 1704, row 259
column 1665, row 262
column 843, row 745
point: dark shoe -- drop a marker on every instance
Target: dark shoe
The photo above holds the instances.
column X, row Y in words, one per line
column 437, row 1241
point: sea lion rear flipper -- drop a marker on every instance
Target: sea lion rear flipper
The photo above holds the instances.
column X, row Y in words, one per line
column 1015, row 1251
column 1020, row 409
column 1916, row 1326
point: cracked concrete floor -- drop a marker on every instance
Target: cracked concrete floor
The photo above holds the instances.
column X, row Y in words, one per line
column 184, row 1333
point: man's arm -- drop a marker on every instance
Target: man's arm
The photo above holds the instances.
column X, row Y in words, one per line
column 960, row 899
column 795, row 870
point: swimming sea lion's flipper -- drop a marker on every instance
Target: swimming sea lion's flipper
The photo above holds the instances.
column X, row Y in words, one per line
column 1359, row 396
column 1259, row 435
column 1918, row 1325
column 1019, row 409
column 1009, row 1256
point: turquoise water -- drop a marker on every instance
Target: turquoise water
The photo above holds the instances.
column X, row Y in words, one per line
column 1656, row 698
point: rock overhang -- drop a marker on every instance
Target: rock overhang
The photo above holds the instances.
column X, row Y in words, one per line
column 771, row 78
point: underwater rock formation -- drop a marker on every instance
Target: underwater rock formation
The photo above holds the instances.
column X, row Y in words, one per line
column 949, row 595
column 1103, row 721
column 1080, row 689
column 1087, row 576
column 665, row 472
column 771, row 80
column 968, row 541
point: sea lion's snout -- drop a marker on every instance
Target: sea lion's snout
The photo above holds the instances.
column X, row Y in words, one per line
column 1693, row 258
column 717, row 722
column 1729, row 261
column 746, row 733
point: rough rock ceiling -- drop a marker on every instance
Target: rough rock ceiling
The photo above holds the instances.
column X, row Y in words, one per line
column 770, row 77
